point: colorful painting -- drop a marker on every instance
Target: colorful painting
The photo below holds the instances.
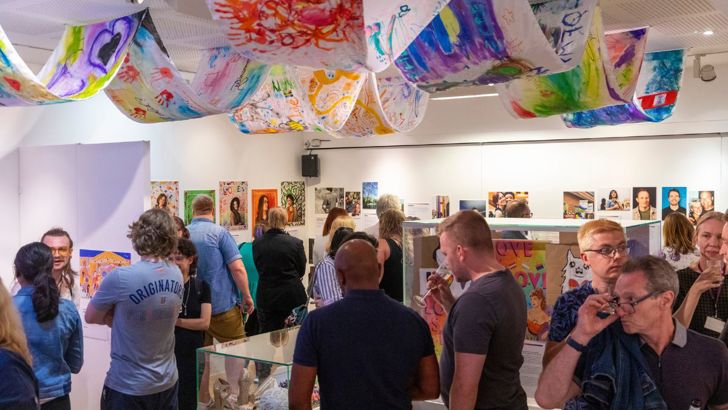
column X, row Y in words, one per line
column 165, row 195
column 475, row 205
column 353, row 203
column 654, row 101
column 699, row 203
column 478, row 42
column 333, row 34
column 82, row 64
column 234, row 205
column 607, row 75
column 261, row 201
column 327, row 198
column 433, row 312
column 370, row 191
column 442, row 206
column 149, row 88
column 293, row 200
column 578, row 204
column 497, row 202
column 190, row 196
column 527, row 260
column 674, row 199
column 614, row 203
column 95, row 265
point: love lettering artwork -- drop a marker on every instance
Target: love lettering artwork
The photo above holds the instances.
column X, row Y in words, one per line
column 477, row 42
column 352, row 35
column 654, row 100
column 149, row 88
column 527, row 262
column 83, row 63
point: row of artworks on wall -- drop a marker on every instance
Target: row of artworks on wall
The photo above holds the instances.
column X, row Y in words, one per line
column 233, row 201
column 312, row 66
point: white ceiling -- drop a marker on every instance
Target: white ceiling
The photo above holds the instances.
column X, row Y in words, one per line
column 34, row 26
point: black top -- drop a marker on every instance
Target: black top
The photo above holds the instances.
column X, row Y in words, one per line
column 393, row 279
column 366, row 349
column 667, row 211
column 709, row 302
column 281, row 263
column 195, row 294
column 18, row 386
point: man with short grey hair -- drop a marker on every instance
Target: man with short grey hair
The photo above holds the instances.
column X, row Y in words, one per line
column 668, row 365
column 384, row 203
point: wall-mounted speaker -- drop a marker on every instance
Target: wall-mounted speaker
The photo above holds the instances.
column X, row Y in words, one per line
column 310, row 165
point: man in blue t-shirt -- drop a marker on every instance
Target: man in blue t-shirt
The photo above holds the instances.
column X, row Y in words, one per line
column 141, row 303
column 368, row 350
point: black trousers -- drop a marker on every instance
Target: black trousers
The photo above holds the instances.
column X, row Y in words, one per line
column 114, row 400
column 59, row 403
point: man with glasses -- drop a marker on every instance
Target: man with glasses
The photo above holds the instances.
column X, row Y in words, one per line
column 648, row 360
column 604, row 248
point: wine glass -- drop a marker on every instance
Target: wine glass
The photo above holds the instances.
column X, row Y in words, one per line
column 443, row 272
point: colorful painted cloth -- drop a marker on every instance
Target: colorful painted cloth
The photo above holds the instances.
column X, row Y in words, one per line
column 84, row 62
column 654, row 101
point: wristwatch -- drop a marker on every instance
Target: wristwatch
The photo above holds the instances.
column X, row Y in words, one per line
column 576, row 345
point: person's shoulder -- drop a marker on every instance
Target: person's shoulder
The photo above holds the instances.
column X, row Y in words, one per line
column 709, row 346
column 687, row 274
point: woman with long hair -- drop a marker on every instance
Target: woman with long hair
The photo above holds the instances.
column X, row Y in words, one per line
column 18, row 386
column 52, row 325
column 390, row 253
column 319, row 243
column 235, row 217
column 679, row 249
column 613, row 203
column 193, row 320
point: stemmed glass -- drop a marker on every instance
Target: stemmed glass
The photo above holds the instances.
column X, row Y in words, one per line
column 443, row 272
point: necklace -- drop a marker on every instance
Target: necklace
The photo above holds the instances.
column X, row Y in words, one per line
column 187, row 291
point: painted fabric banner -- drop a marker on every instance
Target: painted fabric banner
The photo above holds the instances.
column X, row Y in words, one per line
column 654, row 101
column 84, row 62
column 607, row 75
column 330, row 95
column 477, row 42
column 149, row 88
column 334, row 34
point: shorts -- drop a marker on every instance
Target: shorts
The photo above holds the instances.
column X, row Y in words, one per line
column 225, row 326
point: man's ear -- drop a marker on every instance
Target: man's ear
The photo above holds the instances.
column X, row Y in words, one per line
column 667, row 299
column 585, row 258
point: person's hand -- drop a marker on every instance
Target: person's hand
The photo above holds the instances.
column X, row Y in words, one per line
column 440, row 291
column 248, row 305
column 588, row 323
column 710, row 278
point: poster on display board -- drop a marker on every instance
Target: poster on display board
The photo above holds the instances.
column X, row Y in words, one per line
column 94, row 265
column 165, row 195
column 568, row 269
column 353, row 203
column 644, row 203
column 442, row 207
column 370, row 193
column 475, row 205
column 700, row 202
column 261, row 201
column 614, row 203
column 328, row 198
column 293, row 200
column 578, row 205
column 674, row 199
column 422, row 211
column 497, row 202
column 190, row 196
column 234, row 205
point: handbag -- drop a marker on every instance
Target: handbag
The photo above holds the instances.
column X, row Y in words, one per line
column 299, row 313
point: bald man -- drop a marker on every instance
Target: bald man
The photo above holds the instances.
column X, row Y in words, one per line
column 367, row 349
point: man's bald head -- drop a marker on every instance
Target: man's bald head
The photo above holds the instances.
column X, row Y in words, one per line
column 357, row 266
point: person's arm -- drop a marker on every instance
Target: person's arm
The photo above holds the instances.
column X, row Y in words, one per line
column 240, row 277
column 300, row 259
column 464, row 390
column 326, row 283
column 551, row 350
column 100, row 309
column 383, row 251
column 440, row 290
column 556, row 384
column 74, row 352
column 301, row 387
column 201, row 323
column 427, row 380
column 684, row 314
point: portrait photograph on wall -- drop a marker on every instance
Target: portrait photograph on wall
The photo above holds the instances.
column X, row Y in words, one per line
column 234, row 205
column 497, row 201
column 699, row 203
column 674, row 199
column 165, row 195
column 353, row 203
column 614, row 203
column 644, row 203
column 261, row 201
column 293, row 200
column 327, row 198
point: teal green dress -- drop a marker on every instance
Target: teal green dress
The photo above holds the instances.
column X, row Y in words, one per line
column 246, row 251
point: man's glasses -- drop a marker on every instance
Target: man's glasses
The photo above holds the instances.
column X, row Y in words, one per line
column 64, row 251
column 629, row 307
column 610, row 252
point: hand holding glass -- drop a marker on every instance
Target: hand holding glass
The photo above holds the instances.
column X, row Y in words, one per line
column 443, row 272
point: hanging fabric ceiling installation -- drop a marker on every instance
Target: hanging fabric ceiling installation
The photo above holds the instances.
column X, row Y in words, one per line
column 654, row 101
column 607, row 75
column 84, row 62
column 477, row 42
column 333, row 34
column 148, row 87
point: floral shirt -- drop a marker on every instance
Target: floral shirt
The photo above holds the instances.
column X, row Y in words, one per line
column 563, row 319
column 678, row 261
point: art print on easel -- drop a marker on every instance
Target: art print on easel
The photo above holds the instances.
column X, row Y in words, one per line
column 190, row 196
column 234, row 205
column 165, row 195
column 293, row 200
column 95, row 265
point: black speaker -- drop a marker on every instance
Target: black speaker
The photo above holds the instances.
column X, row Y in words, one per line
column 310, row 165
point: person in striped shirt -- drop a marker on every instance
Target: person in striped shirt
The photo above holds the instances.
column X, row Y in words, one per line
column 326, row 289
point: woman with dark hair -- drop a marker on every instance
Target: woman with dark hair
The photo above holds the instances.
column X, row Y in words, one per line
column 262, row 215
column 52, row 325
column 235, row 217
column 319, row 243
column 613, row 203
column 326, row 288
column 161, row 201
column 182, row 231
column 193, row 320
column 291, row 208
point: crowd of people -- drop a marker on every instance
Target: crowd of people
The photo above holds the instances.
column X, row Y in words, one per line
column 642, row 333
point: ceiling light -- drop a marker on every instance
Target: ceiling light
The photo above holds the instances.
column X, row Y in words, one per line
column 708, row 33
column 463, row 97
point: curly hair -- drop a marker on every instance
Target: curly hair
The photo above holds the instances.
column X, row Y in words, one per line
column 390, row 224
column 154, row 234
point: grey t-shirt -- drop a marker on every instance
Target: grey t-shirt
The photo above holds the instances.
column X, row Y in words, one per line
column 146, row 298
column 488, row 319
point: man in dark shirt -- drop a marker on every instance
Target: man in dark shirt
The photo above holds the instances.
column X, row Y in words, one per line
column 683, row 365
column 483, row 337
column 673, row 199
column 368, row 350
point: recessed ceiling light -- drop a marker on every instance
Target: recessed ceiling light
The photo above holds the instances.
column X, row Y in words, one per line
column 708, row 32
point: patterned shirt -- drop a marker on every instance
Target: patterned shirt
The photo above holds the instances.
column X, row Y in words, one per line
column 563, row 320
column 325, row 283
column 711, row 302
column 678, row 261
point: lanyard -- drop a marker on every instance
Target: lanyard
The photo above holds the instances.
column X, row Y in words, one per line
column 714, row 297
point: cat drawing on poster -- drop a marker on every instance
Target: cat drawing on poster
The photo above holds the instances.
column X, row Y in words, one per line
column 370, row 190
column 95, row 265
column 575, row 272
column 293, row 200
column 165, row 195
column 234, row 205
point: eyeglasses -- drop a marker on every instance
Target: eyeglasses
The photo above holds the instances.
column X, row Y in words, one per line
column 610, row 252
column 629, row 307
column 64, row 251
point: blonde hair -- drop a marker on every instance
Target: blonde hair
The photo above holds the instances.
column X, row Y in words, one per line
column 390, row 224
column 708, row 216
column 277, row 218
column 468, row 228
column 343, row 221
column 679, row 233
column 12, row 336
column 586, row 233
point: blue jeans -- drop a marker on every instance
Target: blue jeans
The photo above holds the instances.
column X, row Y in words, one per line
column 114, row 400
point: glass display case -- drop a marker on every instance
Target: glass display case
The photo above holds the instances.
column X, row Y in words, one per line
column 250, row 373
